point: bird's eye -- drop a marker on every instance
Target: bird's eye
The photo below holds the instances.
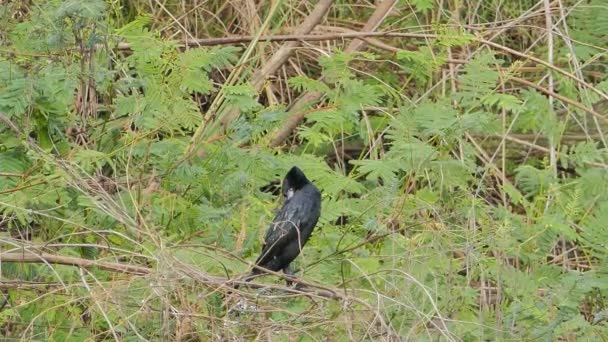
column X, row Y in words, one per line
column 289, row 193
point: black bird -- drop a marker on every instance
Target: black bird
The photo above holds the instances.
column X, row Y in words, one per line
column 292, row 226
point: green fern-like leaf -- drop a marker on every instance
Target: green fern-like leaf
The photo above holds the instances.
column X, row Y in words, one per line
column 413, row 154
column 191, row 80
column 148, row 49
column 451, row 173
column 194, row 65
column 420, row 64
column 503, row 101
column 90, row 9
column 332, row 183
column 208, row 59
column 335, row 67
column 533, row 181
column 423, row 5
column 17, row 90
column 10, row 163
column 589, row 24
column 538, row 115
column 595, row 232
column 478, row 81
column 332, row 122
column 90, row 160
column 184, row 113
column 582, row 154
column 303, row 83
column 434, row 118
column 378, row 169
column 354, row 95
column 243, row 97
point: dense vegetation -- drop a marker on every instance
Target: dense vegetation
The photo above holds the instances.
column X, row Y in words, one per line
column 460, row 150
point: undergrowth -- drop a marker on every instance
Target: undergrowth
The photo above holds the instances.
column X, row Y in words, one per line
column 463, row 171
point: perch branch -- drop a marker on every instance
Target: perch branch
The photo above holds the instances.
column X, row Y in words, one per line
column 29, row 257
column 209, row 280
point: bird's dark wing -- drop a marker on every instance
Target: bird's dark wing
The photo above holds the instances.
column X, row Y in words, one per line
column 282, row 230
column 287, row 226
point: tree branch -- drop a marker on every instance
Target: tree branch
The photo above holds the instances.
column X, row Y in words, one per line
column 30, row 257
column 47, row 258
column 292, row 38
column 296, row 111
column 280, row 56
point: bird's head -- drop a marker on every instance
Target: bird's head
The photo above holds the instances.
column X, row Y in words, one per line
column 293, row 181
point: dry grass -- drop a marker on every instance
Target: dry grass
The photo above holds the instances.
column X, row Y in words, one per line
column 159, row 290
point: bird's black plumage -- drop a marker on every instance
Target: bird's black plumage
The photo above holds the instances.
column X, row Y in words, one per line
column 293, row 224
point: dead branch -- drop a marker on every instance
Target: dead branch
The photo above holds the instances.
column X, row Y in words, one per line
column 296, row 111
column 279, row 58
column 291, row 38
column 46, row 258
column 305, row 288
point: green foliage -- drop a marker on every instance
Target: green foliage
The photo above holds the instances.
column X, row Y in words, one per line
column 163, row 74
column 420, row 64
column 589, row 22
column 478, row 81
column 423, row 5
column 346, row 96
column 441, row 217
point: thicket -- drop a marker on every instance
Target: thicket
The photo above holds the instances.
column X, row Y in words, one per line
column 460, row 150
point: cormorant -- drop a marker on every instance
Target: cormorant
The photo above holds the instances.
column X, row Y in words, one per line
column 292, row 226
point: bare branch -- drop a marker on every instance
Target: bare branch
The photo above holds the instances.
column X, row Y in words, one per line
column 29, row 257
column 292, row 38
column 279, row 57
column 297, row 111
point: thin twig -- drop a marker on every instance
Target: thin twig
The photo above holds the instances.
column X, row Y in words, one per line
column 10, row 124
column 549, row 26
